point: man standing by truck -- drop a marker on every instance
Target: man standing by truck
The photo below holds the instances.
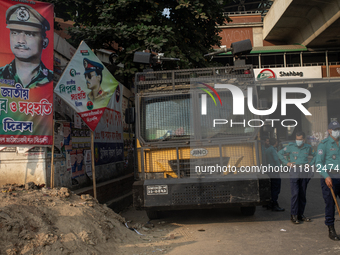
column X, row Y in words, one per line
column 275, row 180
column 297, row 159
column 328, row 162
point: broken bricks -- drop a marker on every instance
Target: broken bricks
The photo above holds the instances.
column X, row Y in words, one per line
column 86, row 197
column 64, row 192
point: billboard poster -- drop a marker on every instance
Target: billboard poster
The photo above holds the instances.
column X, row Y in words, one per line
column 86, row 85
column 26, row 76
column 108, row 140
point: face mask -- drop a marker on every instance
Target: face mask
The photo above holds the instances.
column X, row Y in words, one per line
column 335, row 133
column 299, row 142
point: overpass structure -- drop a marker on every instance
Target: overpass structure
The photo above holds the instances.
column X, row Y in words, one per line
column 312, row 23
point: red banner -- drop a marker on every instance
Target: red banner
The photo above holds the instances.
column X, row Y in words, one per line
column 26, row 72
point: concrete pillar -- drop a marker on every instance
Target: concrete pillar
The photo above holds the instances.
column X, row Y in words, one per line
column 315, row 126
column 257, row 37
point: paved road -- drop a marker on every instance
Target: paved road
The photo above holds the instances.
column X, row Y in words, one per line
column 228, row 232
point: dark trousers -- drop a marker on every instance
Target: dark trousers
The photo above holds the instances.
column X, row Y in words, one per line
column 298, row 188
column 275, row 185
column 329, row 201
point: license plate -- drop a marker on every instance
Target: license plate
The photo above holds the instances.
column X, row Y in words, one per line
column 157, row 190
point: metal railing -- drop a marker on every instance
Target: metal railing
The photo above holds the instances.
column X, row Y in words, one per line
column 297, row 65
column 241, row 13
column 176, row 80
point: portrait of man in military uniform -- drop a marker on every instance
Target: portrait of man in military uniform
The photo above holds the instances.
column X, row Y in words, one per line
column 28, row 38
column 94, row 76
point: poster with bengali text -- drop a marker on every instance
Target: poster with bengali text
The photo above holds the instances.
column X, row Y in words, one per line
column 26, row 73
column 86, row 85
column 109, row 140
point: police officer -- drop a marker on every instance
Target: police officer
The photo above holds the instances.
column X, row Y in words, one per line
column 297, row 157
column 273, row 160
column 328, row 162
column 94, row 76
column 264, row 145
column 27, row 40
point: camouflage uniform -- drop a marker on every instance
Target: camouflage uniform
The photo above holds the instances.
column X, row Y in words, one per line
column 22, row 18
column 42, row 77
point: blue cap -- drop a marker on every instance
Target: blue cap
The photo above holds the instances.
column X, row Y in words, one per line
column 334, row 125
column 91, row 66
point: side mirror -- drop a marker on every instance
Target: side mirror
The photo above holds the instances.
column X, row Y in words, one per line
column 130, row 115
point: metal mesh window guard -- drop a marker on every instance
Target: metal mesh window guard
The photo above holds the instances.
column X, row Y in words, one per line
column 165, row 118
column 236, row 125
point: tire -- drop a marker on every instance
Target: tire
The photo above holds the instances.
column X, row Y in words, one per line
column 248, row 211
column 153, row 215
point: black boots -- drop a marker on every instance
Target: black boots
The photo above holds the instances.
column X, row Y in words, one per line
column 332, row 233
column 274, row 206
column 304, row 218
column 277, row 208
column 294, row 219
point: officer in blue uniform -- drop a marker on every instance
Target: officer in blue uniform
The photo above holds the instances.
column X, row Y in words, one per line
column 328, row 164
column 264, row 145
column 297, row 157
column 94, row 76
column 275, row 180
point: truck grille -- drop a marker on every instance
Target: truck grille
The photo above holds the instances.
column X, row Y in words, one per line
column 201, row 194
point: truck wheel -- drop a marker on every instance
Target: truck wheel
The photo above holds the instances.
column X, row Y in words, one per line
column 248, row 211
column 152, row 215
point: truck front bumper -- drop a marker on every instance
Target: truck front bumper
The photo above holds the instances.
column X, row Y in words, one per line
column 191, row 193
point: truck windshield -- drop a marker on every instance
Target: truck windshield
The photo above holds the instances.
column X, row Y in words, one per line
column 226, row 124
column 166, row 118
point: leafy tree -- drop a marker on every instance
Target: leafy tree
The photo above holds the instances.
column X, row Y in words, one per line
column 187, row 32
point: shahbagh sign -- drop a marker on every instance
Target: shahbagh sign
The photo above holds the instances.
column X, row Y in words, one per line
column 238, row 106
column 288, row 73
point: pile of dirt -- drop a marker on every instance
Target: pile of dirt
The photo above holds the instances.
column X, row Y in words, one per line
column 38, row 220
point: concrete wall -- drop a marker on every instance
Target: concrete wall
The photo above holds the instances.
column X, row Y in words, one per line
column 20, row 166
column 63, row 177
column 232, row 34
column 274, row 14
column 243, row 26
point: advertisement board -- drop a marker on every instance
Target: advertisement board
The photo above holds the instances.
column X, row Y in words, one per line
column 288, row 73
column 109, row 145
column 86, row 85
column 26, row 76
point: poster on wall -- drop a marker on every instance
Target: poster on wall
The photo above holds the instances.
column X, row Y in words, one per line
column 77, row 121
column 86, row 85
column 108, row 143
column 88, row 163
column 26, row 76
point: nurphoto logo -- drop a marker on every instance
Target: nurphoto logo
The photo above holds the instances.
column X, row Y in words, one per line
column 238, row 99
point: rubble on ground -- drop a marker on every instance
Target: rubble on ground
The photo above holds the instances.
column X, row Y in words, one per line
column 38, row 220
